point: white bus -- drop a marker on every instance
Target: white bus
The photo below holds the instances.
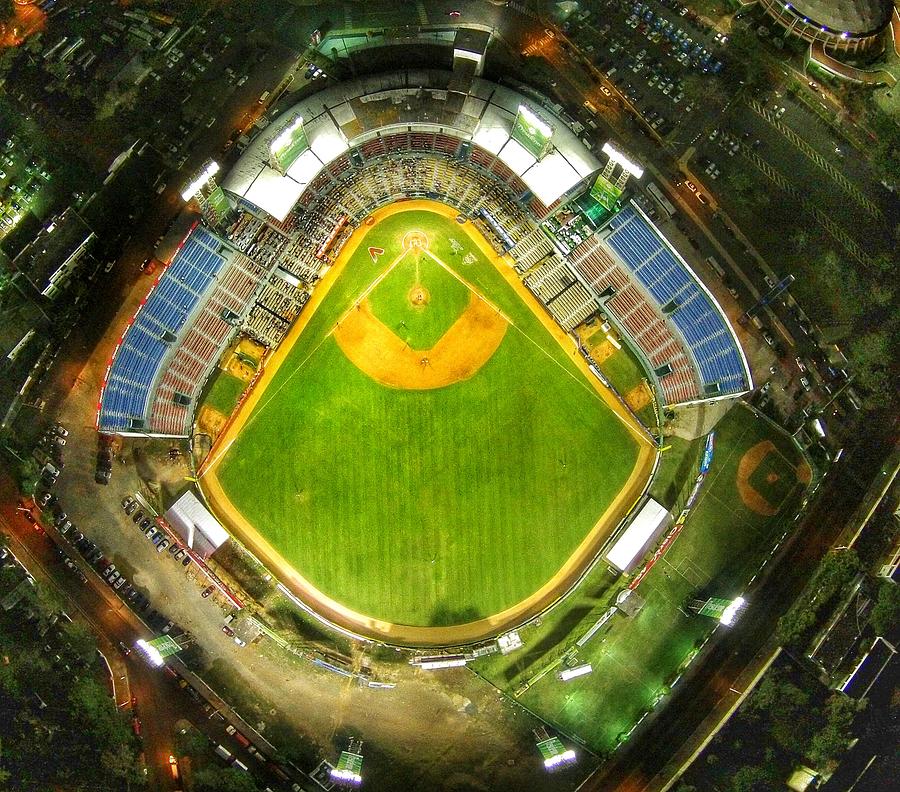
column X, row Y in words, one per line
column 661, row 199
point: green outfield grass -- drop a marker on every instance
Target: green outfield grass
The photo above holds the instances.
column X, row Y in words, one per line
column 224, row 392
column 427, row 507
column 634, row 661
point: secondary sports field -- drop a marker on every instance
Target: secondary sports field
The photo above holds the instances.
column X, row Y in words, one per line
column 426, row 457
column 748, row 501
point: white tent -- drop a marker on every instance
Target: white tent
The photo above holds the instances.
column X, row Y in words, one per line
column 643, row 531
column 198, row 529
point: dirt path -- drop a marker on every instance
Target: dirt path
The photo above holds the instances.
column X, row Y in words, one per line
column 550, row 593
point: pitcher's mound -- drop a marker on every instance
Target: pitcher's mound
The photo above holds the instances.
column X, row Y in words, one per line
column 419, row 296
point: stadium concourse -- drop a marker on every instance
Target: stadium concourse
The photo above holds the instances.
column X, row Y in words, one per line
column 380, row 139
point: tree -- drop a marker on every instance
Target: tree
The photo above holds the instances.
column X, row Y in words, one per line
column 873, row 354
column 191, row 742
column 223, row 779
column 786, row 707
column 92, row 707
column 832, row 739
column 753, row 779
column 7, row 10
column 119, row 761
column 746, row 57
column 885, row 619
column 81, row 641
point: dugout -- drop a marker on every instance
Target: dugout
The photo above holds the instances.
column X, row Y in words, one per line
column 643, row 531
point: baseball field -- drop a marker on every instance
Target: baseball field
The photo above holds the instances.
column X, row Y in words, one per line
column 426, row 457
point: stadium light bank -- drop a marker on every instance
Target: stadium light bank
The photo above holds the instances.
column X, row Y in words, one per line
column 286, row 136
column 150, row 653
column 732, row 611
column 617, row 156
column 211, row 169
column 532, row 120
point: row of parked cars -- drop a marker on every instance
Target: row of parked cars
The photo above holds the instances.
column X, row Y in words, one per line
column 158, row 537
column 53, row 511
column 91, row 553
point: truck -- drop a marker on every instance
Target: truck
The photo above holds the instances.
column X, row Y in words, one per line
column 661, row 199
column 713, row 262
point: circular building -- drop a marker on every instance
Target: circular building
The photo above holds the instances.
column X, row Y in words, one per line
column 842, row 26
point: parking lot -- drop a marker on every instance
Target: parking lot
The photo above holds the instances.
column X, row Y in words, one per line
column 656, row 55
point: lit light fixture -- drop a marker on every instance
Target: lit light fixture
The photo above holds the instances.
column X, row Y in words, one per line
column 731, row 612
column 191, row 190
column 286, row 135
column 563, row 758
column 533, row 121
column 617, row 156
column 151, row 653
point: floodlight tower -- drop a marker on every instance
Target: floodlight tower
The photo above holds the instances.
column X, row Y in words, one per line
column 348, row 771
column 156, row 651
column 213, row 204
column 288, row 145
column 629, row 168
column 552, row 751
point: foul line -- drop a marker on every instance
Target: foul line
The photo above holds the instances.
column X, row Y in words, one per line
column 592, row 391
column 258, row 411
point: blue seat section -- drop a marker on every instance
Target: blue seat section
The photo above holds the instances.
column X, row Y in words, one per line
column 129, row 388
column 696, row 317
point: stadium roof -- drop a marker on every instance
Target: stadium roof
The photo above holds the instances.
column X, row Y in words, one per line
column 851, row 16
column 350, row 113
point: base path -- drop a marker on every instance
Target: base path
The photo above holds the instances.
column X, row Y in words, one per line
column 455, row 635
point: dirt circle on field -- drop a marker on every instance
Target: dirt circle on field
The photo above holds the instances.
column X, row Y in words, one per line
column 385, row 357
column 415, row 240
column 419, row 296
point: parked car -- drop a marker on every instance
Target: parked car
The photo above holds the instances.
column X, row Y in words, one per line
column 207, row 591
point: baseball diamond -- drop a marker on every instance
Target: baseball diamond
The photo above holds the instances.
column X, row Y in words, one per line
column 426, row 458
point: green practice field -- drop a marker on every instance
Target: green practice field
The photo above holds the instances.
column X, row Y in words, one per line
column 427, row 507
column 635, row 660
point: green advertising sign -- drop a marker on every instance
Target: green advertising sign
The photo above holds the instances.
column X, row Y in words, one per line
column 290, row 143
column 531, row 132
column 605, row 193
column 219, row 202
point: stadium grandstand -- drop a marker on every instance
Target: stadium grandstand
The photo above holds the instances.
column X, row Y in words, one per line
column 843, row 27
column 318, row 171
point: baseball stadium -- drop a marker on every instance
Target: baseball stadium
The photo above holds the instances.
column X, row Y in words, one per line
column 392, row 338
